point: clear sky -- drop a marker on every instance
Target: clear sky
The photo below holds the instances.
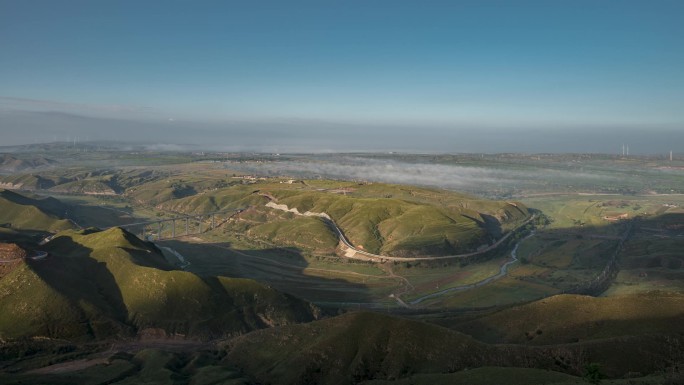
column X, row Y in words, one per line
column 345, row 75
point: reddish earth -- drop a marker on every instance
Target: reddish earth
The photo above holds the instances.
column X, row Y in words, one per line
column 11, row 256
column 9, row 251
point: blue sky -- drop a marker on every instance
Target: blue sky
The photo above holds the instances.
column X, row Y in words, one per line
column 292, row 69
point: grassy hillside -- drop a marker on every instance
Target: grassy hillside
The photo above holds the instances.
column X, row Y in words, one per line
column 30, row 181
column 83, row 180
column 99, row 284
column 488, row 376
column 234, row 197
column 380, row 218
column 66, row 364
column 24, row 213
column 110, row 284
column 361, row 347
column 403, row 220
column 9, row 163
column 300, row 232
column 86, row 186
column 571, row 318
column 358, row 347
column 523, row 376
column 385, row 219
column 352, row 348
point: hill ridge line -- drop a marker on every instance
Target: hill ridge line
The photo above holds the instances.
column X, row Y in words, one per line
column 352, row 252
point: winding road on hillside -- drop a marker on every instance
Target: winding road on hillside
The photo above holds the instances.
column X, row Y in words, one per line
column 300, row 268
column 353, row 252
column 380, row 258
column 503, row 271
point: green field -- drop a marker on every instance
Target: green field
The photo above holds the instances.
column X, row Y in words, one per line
column 288, row 250
column 262, row 268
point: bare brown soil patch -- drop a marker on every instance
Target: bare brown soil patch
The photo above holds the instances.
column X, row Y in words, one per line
column 10, row 251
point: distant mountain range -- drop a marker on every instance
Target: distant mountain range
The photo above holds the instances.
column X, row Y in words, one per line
column 9, row 163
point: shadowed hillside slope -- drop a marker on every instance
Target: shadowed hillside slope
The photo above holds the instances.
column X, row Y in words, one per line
column 25, row 213
column 357, row 347
column 571, row 318
column 98, row 284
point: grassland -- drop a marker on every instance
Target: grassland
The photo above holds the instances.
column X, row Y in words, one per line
column 322, row 280
column 363, row 347
column 652, row 259
column 556, row 259
column 358, row 347
column 388, row 219
column 582, row 236
column 29, row 214
column 572, row 318
column 98, row 284
column 380, row 218
column 519, row 376
column 110, row 285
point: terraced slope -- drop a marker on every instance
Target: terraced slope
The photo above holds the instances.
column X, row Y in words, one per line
column 98, row 284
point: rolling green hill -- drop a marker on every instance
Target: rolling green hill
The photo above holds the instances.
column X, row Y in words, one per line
column 234, row 197
column 358, row 347
column 98, row 284
column 96, row 186
column 24, row 213
column 30, row 181
column 379, row 218
column 402, row 227
column 572, row 318
column 81, row 180
column 488, row 376
column 352, row 348
column 10, row 163
column 393, row 220
column 111, row 285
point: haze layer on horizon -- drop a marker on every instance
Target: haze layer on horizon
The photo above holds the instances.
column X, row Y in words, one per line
column 465, row 76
